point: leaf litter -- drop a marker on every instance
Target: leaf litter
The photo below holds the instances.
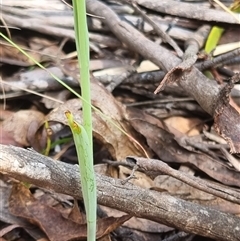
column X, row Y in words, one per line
column 169, row 126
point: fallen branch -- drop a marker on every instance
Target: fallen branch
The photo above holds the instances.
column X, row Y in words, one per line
column 189, row 10
column 31, row 167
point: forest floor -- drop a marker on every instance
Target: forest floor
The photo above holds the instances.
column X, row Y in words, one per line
column 165, row 104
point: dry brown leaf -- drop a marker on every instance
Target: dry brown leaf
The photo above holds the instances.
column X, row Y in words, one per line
column 11, row 55
column 138, row 223
column 22, row 126
column 180, row 189
column 104, row 131
column 40, row 49
column 168, row 149
column 189, row 126
column 104, row 126
column 56, row 227
column 7, row 138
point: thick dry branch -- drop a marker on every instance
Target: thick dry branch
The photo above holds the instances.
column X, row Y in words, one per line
column 52, row 25
column 219, row 60
column 31, row 167
column 209, row 187
column 188, row 10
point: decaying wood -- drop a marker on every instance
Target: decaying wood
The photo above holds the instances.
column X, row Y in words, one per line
column 31, row 167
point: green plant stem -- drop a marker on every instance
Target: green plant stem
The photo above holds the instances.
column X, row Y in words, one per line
column 82, row 45
column 83, row 134
column 87, row 176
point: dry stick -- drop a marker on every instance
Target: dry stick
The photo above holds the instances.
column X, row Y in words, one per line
column 48, row 26
column 209, row 187
column 31, row 167
column 196, row 41
column 192, row 46
column 218, row 60
column 166, row 38
column 189, row 10
column 232, row 61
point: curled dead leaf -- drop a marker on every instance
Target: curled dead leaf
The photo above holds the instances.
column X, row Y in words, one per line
column 22, row 126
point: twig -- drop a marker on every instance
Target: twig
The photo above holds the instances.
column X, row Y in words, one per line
column 218, row 60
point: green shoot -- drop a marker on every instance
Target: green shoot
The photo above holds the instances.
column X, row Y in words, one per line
column 216, row 32
column 85, row 159
column 83, row 134
column 213, row 39
column 48, row 147
column 82, row 44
